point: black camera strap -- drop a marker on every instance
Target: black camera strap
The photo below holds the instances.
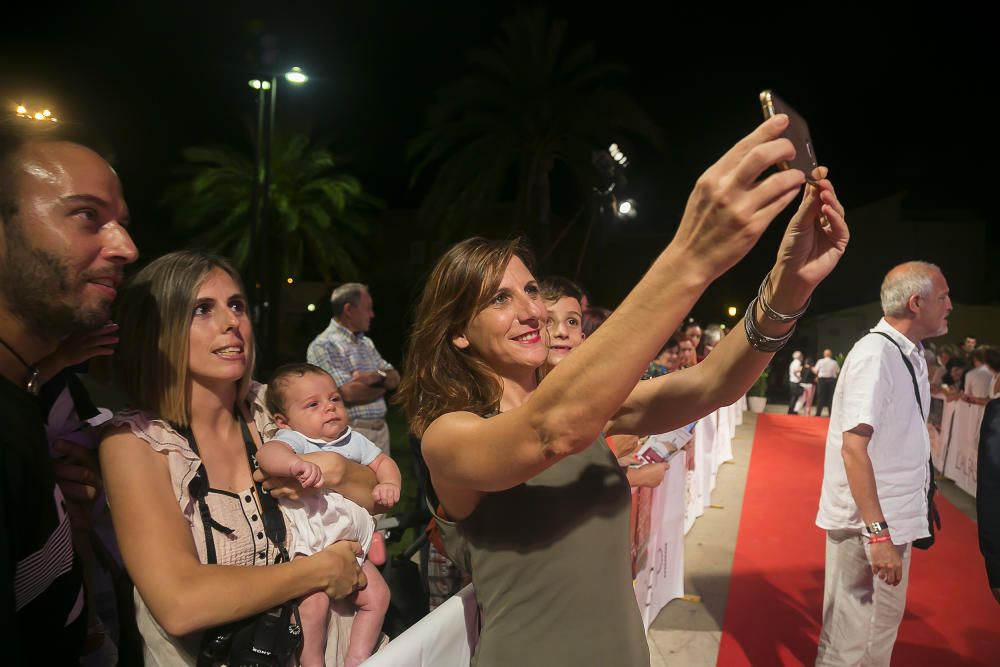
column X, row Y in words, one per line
column 271, row 637
column 909, row 367
column 934, row 519
column 198, row 487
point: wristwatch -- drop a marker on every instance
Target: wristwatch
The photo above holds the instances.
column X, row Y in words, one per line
column 873, row 529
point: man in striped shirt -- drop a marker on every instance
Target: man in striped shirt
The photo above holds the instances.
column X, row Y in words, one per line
column 63, row 245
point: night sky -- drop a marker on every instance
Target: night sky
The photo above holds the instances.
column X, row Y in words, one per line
column 895, row 102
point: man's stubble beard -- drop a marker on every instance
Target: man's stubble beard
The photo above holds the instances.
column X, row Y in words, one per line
column 37, row 288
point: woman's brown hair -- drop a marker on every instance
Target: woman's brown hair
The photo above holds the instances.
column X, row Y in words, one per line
column 439, row 378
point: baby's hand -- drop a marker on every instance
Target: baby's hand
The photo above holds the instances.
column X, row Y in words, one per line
column 308, row 474
column 386, row 495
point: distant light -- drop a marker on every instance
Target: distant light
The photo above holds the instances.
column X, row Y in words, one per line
column 617, row 155
column 46, row 113
column 296, row 75
column 732, row 311
column 290, row 280
column 38, row 115
column 21, row 109
column 54, row 119
column 311, row 307
column 722, row 326
column 265, row 85
column 626, row 209
column 254, row 83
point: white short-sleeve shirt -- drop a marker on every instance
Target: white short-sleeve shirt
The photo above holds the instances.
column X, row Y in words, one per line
column 794, row 371
column 875, row 388
column 979, row 382
column 827, row 368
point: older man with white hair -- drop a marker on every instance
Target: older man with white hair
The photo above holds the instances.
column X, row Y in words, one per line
column 874, row 499
column 361, row 374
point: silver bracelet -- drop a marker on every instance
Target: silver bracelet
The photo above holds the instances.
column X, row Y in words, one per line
column 771, row 313
column 758, row 340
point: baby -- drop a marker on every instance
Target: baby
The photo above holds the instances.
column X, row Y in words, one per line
column 310, row 412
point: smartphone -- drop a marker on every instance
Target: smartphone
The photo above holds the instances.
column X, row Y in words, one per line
column 657, row 452
column 797, row 132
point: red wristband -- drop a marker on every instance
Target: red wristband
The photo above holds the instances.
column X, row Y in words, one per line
column 875, row 539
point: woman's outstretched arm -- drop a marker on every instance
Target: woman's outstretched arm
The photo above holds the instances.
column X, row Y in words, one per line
column 728, row 210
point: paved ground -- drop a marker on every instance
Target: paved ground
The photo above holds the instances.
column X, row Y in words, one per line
column 687, row 632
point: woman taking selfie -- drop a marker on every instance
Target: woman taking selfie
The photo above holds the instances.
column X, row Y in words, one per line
column 538, row 500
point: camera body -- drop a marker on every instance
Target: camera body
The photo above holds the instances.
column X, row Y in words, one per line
column 268, row 639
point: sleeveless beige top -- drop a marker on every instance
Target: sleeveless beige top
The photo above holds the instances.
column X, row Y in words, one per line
column 246, row 545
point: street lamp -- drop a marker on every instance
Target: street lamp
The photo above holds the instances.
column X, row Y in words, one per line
column 617, row 155
column 267, row 94
column 625, row 209
column 296, row 75
column 732, row 311
column 609, row 180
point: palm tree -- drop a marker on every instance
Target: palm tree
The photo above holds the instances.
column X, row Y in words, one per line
column 315, row 213
column 528, row 106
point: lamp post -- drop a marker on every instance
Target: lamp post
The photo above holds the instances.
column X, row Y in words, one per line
column 609, row 180
column 267, row 93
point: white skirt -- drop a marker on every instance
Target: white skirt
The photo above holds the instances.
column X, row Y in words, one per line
column 318, row 521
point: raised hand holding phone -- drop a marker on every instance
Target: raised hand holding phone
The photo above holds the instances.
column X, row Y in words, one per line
column 797, row 132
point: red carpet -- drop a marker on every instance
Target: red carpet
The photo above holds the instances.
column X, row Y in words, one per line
column 775, row 604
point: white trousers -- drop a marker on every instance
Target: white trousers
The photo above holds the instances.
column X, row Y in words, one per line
column 861, row 613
